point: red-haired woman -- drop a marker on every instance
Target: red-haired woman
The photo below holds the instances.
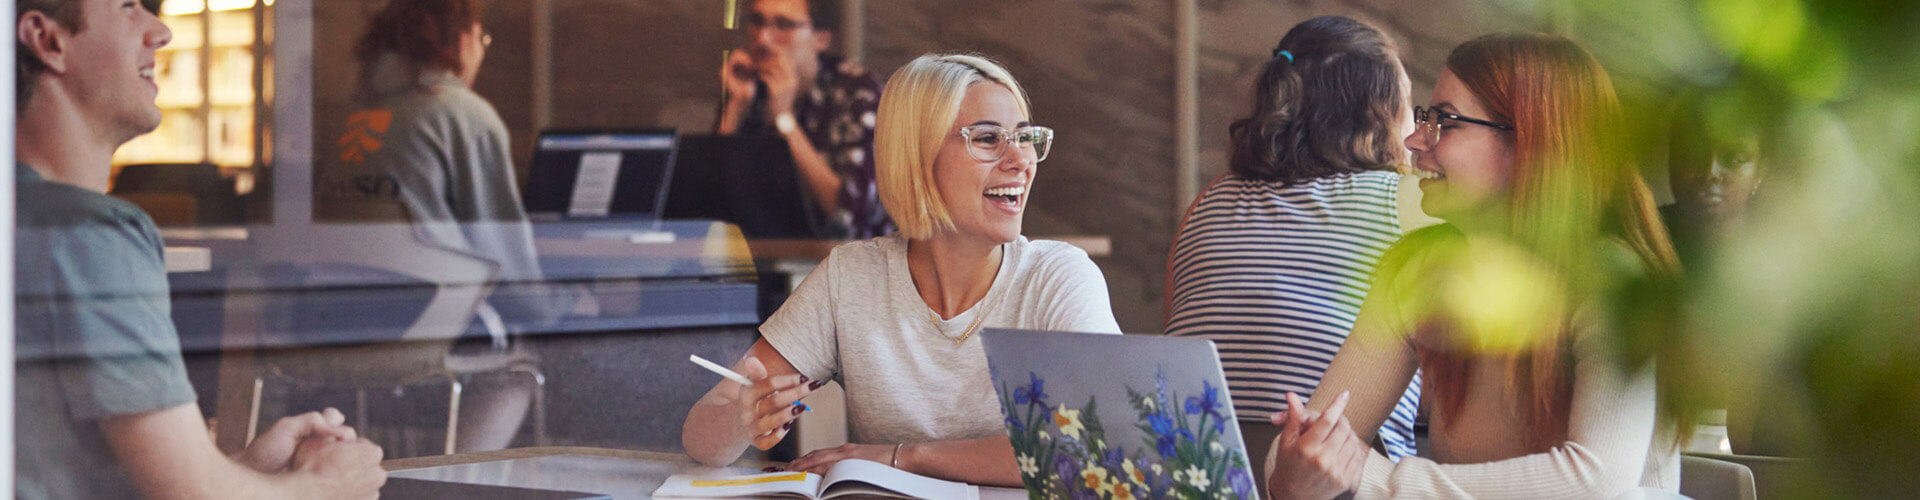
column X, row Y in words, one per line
column 1503, row 307
column 424, row 147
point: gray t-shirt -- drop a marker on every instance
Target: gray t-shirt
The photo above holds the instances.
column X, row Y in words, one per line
column 92, row 333
column 858, row 319
column 429, row 150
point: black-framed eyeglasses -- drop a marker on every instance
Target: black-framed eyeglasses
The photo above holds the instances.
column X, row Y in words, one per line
column 989, row 142
column 1431, row 120
column 782, row 24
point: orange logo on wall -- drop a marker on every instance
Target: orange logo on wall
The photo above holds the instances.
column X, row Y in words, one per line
column 361, row 137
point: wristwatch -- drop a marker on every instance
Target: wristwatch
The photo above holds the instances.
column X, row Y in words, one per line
column 785, row 123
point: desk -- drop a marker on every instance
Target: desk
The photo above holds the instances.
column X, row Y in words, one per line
column 682, row 284
column 188, row 259
column 683, row 295
column 622, row 474
column 1095, row 246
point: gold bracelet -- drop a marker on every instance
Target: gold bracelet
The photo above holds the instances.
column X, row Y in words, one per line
column 896, row 455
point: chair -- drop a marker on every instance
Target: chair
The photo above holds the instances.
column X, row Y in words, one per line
column 166, row 209
column 1773, row 477
column 329, row 266
column 161, row 188
column 1704, row 478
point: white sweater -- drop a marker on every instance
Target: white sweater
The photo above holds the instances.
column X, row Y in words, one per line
column 1614, row 440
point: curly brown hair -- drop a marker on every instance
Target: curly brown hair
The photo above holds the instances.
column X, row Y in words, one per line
column 1328, row 105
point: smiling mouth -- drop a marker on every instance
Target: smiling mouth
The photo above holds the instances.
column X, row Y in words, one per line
column 1008, row 195
column 1425, row 174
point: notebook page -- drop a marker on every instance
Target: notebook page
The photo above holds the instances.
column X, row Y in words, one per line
column 864, row 477
column 797, row 484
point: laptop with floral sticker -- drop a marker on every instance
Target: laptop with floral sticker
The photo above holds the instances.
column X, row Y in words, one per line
column 1118, row 416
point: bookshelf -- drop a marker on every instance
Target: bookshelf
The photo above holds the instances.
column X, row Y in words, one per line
column 215, row 87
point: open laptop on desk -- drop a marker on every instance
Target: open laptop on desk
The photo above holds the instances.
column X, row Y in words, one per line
column 1144, row 413
column 600, row 174
column 748, row 180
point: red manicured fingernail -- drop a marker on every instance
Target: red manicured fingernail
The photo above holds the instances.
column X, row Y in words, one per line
column 787, row 426
column 816, row 385
column 798, row 409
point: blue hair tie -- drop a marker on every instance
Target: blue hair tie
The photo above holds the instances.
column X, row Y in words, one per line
column 1278, row 53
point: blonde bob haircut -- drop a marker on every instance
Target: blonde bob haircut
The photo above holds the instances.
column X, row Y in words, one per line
column 917, row 113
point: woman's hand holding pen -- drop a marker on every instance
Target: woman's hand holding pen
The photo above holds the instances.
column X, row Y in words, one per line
column 769, row 407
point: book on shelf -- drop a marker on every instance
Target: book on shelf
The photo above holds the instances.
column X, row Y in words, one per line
column 852, row 477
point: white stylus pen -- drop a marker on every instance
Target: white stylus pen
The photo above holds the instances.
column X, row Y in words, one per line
column 723, row 371
column 733, row 375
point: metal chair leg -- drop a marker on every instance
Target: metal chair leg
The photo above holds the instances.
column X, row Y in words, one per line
column 453, row 411
column 360, row 408
column 539, row 401
column 253, row 410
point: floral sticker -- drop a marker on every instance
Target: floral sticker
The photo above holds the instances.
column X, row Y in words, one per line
column 1181, row 457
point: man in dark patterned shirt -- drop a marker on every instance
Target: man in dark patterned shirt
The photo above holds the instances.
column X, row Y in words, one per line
column 823, row 106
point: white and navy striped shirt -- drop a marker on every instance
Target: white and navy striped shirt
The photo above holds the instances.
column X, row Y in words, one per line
column 1274, row 275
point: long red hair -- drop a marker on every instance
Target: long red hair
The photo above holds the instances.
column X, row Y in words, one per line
column 424, row 32
column 1573, row 183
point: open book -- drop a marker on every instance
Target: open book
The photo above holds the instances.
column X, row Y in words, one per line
column 849, row 477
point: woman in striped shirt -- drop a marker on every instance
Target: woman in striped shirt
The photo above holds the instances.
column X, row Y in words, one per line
column 1274, row 258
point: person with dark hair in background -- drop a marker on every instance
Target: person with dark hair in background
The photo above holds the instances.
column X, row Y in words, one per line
column 1274, row 257
column 426, row 148
column 785, row 82
column 1714, row 170
column 103, row 405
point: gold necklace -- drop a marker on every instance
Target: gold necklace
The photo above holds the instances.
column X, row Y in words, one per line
column 935, row 319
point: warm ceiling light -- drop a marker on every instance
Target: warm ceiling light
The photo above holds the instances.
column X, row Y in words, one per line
column 218, row 5
column 182, row 7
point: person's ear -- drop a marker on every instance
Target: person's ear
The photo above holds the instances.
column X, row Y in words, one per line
column 45, row 39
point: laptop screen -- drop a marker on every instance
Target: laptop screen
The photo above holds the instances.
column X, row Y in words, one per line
column 590, row 174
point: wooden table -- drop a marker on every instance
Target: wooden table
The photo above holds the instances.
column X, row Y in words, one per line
column 433, row 461
column 795, row 249
column 184, row 259
column 1095, row 245
column 622, row 474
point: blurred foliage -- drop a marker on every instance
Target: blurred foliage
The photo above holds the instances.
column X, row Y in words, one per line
column 1801, row 315
column 1804, row 317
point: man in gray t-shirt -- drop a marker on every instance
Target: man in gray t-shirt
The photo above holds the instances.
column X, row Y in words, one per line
column 91, row 333
column 103, row 407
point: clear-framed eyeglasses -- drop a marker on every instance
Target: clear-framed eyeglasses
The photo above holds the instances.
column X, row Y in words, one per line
column 989, row 142
column 1430, row 121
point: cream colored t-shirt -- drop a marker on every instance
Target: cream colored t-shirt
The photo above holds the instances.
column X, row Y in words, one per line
column 859, row 320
